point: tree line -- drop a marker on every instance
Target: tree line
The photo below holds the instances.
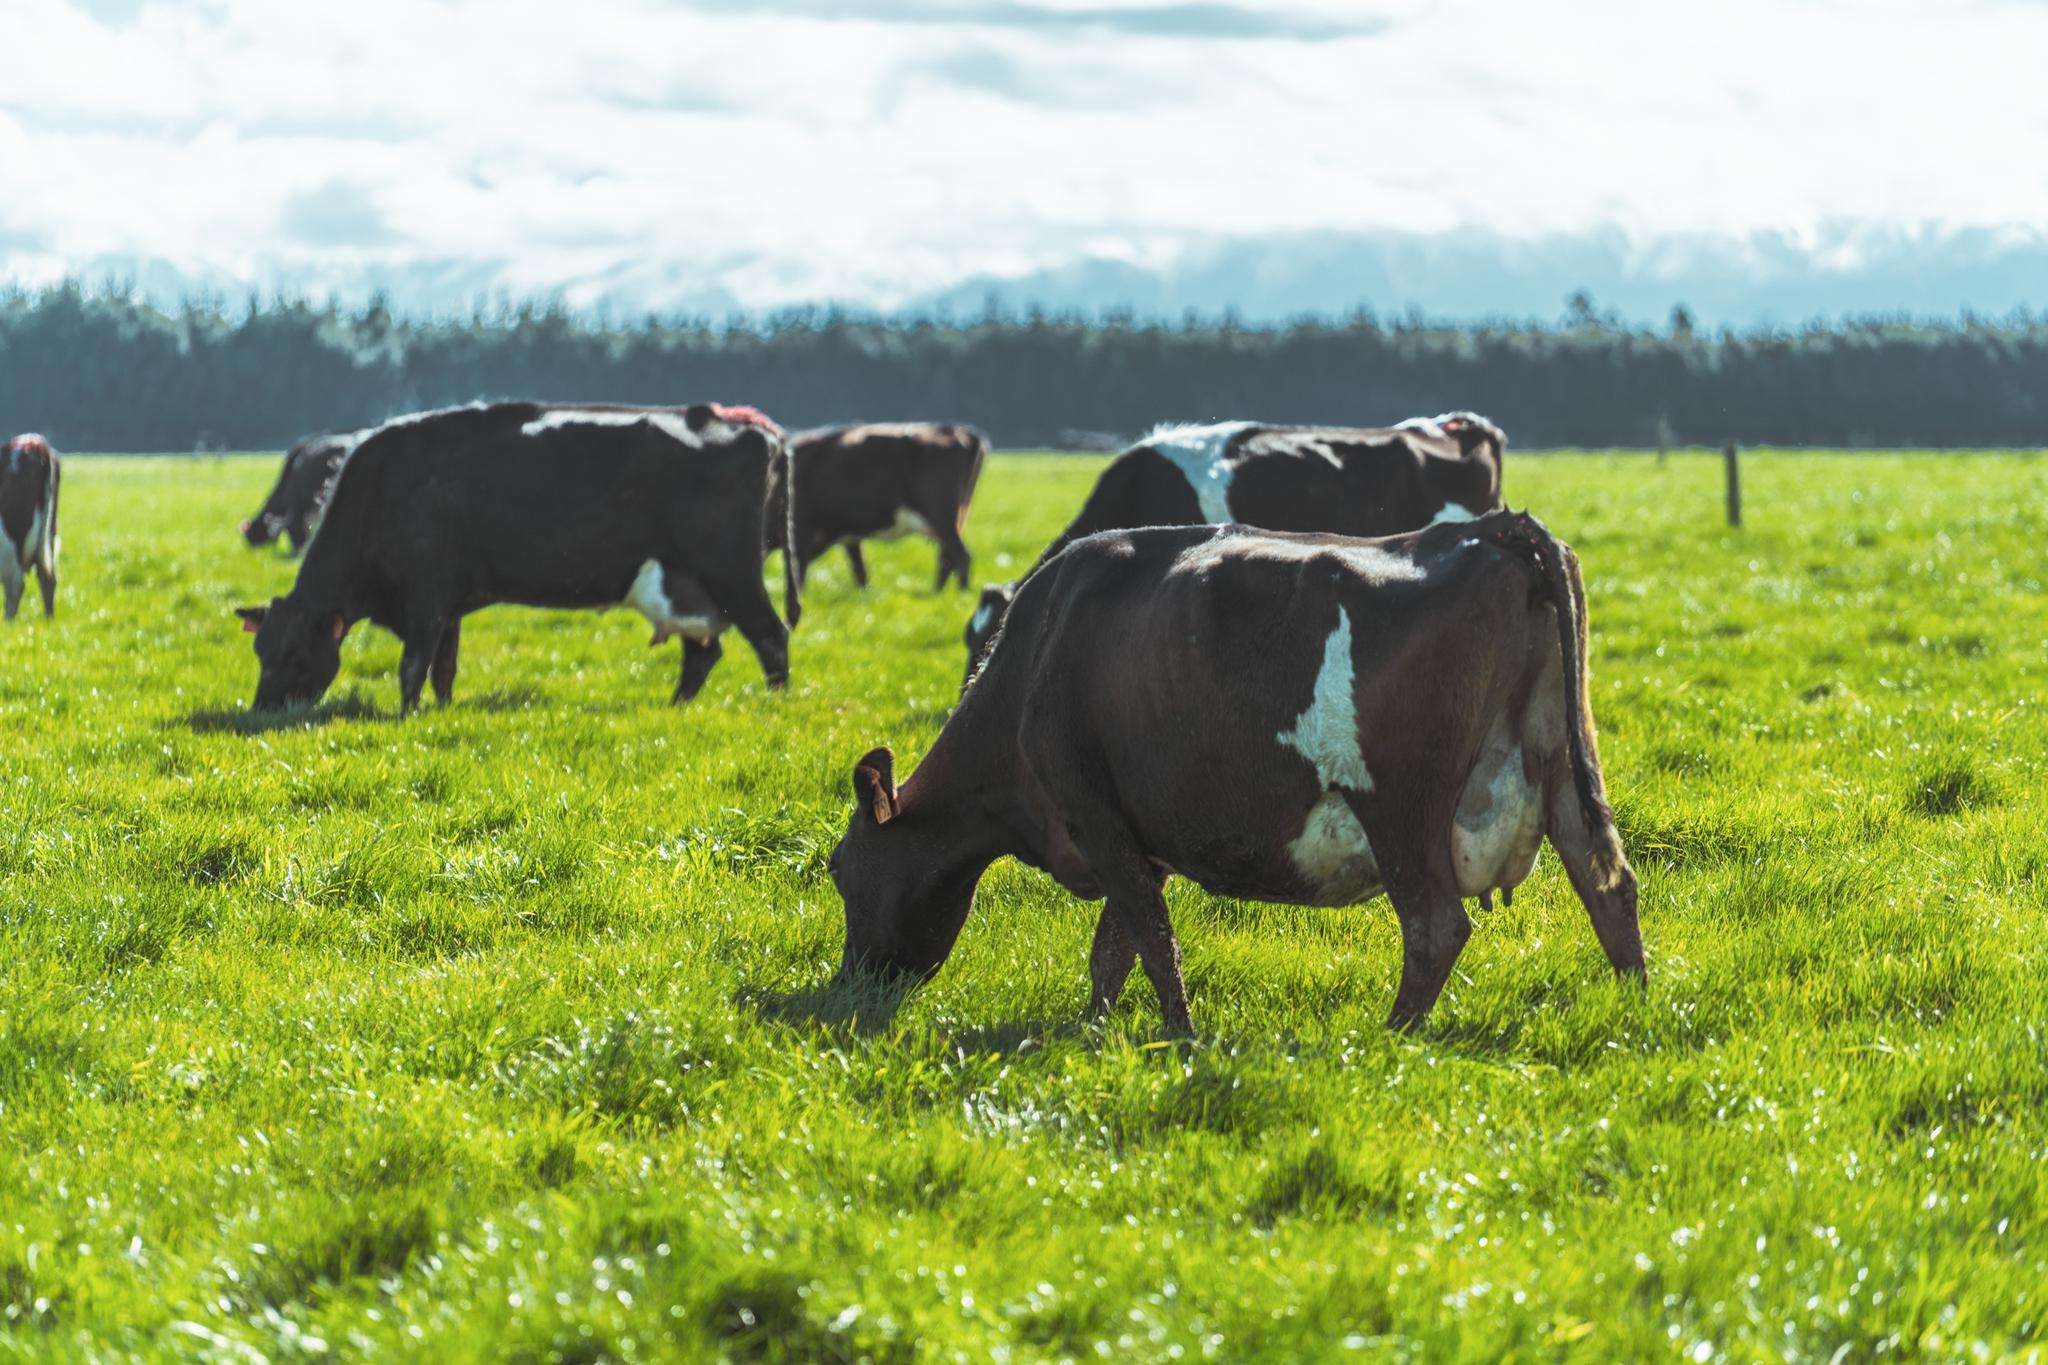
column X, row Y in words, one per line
column 97, row 369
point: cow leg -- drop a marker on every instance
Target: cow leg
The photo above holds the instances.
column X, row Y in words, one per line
column 1135, row 900
column 954, row 560
column 742, row 600
column 1434, row 927
column 1109, row 963
column 856, row 562
column 443, row 671
column 46, row 580
column 11, row 581
column 698, row 661
column 422, row 644
column 1602, row 877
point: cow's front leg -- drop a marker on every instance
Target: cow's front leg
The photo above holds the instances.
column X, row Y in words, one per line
column 858, row 563
column 422, row 639
column 443, row 671
column 698, row 661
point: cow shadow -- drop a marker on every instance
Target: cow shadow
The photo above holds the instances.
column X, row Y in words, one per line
column 502, row 699
column 856, row 1007
column 866, row 1009
column 239, row 720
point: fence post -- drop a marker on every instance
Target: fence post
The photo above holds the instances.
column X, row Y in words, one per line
column 1728, row 456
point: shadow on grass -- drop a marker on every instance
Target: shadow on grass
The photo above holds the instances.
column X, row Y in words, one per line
column 244, row 721
column 865, row 1007
column 862, row 1005
column 500, row 699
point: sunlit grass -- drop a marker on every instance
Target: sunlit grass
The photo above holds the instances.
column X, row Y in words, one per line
column 502, row 1029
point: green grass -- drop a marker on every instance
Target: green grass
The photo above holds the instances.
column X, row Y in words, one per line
column 497, row 1033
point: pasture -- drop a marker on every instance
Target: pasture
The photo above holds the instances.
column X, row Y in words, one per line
column 498, row 1032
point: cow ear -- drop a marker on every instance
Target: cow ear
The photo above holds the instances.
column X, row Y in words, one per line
column 252, row 618
column 338, row 626
column 874, row 784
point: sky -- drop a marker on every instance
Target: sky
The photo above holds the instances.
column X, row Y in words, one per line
column 721, row 153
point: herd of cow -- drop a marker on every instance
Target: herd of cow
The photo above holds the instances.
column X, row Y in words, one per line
column 1308, row 665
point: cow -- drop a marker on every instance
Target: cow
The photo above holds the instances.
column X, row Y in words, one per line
column 1354, row 481
column 443, row 513
column 29, row 474
column 879, row 482
column 304, row 485
column 1295, row 718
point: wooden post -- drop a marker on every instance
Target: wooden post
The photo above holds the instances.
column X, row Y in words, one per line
column 1728, row 455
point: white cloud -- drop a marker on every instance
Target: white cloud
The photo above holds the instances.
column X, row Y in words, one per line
column 871, row 150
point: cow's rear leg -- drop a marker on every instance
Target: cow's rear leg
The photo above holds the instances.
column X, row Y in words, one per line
column 698, row 661
column 422, row 643
column 46, row 580
column 740, row 599
column 1110, row 960
column 858, row 563
column 443, row 672
column 1600, row 873
column 11, row 581
column 1434, row 927
column 954, row 560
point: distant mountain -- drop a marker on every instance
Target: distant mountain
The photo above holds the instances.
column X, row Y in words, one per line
column 1763, row 278
column 1766, row 278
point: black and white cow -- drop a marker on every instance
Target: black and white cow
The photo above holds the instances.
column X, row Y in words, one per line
column 1305, row 719
column 879, row 481
column 29, row 474
column 304, row 484
column 441, row 514
column 1354, row 481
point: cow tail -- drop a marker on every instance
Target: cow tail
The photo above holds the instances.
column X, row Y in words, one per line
column 792, row 605
column 977, row 452
column 48, row 550
column 1565, row 588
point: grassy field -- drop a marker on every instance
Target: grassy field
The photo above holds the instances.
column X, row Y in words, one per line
column 497, row 1033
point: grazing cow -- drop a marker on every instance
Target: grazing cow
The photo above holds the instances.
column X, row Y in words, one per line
column 29, row 473
column 304, row 485
column 1353, row 481
column 1307, row 719
column 441, row 514
column 879, row 482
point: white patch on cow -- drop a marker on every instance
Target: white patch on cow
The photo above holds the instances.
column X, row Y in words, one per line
column 9, row 560
column 1333, row 854
column 32, row 543
column 1201, row 455
column 413, row 419
column 907, row 523
column 1370, row 562
column 1453, row 511
column 1326, row 732
column 1332, row 851
column 649, row 597
column 580, row 417
column 984, row 616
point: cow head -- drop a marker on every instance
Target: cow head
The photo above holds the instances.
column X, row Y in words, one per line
column 900, row 875
column 1473, row 432
column 987, row 620
column 298, row 651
